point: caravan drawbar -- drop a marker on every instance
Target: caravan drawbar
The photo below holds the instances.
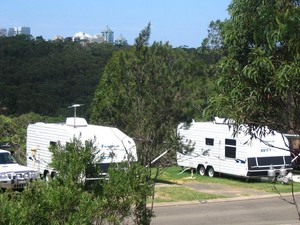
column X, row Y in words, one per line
column 215, row 149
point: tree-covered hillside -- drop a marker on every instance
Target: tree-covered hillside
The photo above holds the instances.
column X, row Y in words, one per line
column 46, row 77
column 40, row 79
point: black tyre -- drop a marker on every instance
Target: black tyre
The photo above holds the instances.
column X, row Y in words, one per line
column 211, row 172
column 201, row 170
column 46, row 175
column 53, row 174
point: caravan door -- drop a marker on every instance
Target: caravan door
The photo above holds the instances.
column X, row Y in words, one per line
column 232, row 159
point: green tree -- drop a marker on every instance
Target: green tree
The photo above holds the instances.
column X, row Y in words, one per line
column 126, row 192
column 71, row 161
column 259, row 79
column 68, row 199
column 13, row 132
column 208, row 55
column 214, row 39
column 146, row 92
column 212, row 47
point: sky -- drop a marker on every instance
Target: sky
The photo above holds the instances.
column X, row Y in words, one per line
column 179, row 22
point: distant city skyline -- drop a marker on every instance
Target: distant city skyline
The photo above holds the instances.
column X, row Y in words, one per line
column 177, row 22
column 107, row 35
column 13, row 31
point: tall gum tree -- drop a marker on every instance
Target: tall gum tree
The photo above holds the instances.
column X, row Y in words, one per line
column 259, row 80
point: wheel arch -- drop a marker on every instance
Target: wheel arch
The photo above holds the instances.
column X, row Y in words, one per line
column 199, row 165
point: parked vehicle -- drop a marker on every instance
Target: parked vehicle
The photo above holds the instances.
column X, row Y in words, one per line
column 217, row 149
column 13, row 175
column 112, row 145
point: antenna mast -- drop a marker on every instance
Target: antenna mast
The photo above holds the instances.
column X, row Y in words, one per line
column 75, row 107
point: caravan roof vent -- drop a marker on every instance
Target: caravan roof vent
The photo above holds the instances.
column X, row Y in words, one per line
column 219, row 120
column 76, row 122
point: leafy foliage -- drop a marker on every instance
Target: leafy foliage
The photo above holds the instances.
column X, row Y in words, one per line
column 67, row 199
column 126, row 193
column 13, row 132
column 71, row 162
column 146, row 92
column 259, row 77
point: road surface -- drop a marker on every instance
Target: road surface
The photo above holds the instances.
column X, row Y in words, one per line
column 253, row 211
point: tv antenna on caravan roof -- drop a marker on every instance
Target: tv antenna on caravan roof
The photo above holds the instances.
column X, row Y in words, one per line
column 75, row 107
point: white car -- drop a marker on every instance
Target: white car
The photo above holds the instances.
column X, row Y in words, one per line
column 13, row 175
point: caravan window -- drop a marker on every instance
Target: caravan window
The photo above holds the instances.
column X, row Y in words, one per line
column 53, row 143
column 266, row 161
column 230, row 148
column 230, row 142
column 209, row 141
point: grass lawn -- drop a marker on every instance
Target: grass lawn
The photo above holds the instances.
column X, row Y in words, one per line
column 173, row 175
column 179, row 193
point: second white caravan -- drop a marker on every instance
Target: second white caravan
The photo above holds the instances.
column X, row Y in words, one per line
column 217, row 150
column 112, row 145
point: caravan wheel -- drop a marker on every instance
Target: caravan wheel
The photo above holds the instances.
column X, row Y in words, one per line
column 46, row 175
column 53, row 174
column 211, row 172
column 201, row 170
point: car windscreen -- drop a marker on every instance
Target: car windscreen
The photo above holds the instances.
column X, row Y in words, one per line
column 7, row 158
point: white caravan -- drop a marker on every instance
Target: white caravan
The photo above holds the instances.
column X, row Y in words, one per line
column 216, row 149
column 112, row 145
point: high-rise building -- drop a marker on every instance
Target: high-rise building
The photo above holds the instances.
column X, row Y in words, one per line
column 3, row 32
column 18, row 30
column 108, row 35
column 11, row 32
column 121, row 40
column 24, row 30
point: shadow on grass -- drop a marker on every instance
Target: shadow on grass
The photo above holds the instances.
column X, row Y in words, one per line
column 240, row 179
column 161, row 181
